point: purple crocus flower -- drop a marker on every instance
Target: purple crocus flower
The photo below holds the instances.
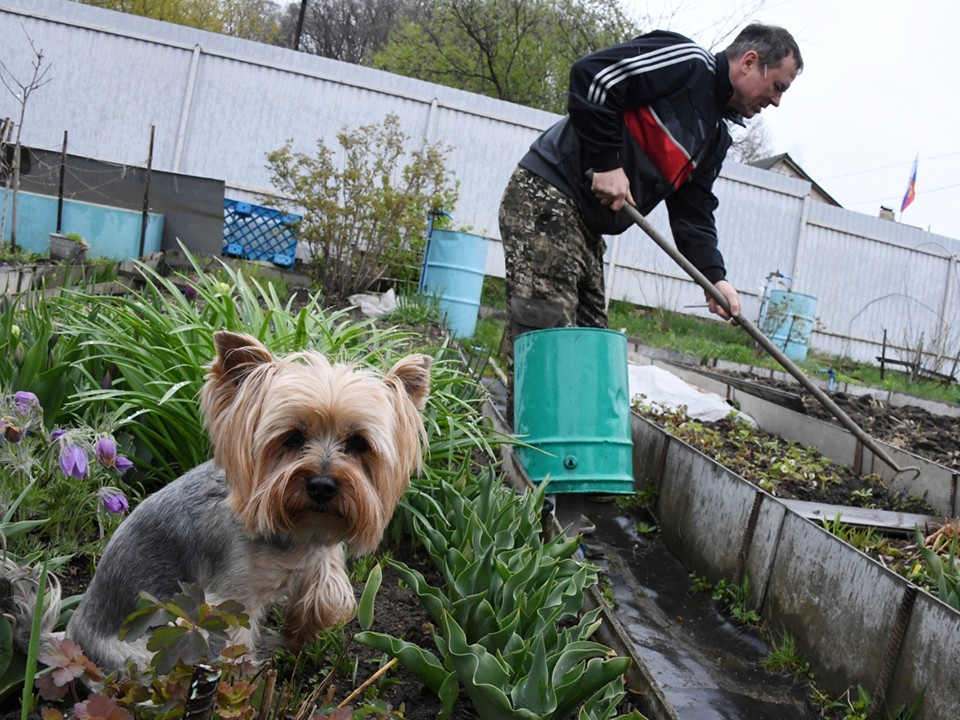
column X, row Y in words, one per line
column 106, row 450
column 73, row 461
column 57, row 434
column 189, row 292
column 25, row 400
column 123, row 464
column 114, row 501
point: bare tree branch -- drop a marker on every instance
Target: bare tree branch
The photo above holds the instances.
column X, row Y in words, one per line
column 37, row 80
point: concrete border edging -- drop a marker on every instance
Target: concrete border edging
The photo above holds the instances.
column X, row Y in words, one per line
column 842, row 607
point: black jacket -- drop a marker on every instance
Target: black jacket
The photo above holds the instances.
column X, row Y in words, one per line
column 656, row 106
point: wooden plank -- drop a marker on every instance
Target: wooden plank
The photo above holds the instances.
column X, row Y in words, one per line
column 862, row 517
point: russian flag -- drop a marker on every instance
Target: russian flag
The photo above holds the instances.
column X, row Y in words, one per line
column 911, row 186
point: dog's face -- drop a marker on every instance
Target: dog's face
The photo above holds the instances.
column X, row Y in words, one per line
column 313, row 452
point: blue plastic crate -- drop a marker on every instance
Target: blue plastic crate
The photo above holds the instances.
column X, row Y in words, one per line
column 253, row 232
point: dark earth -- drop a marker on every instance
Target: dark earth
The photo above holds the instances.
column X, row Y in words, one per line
column 908, row 427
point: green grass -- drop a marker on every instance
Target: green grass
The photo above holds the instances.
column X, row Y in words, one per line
column 785, row 659
column 684, row 333
column 707, row 339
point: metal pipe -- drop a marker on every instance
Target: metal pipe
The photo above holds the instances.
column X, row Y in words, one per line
column 763, row 340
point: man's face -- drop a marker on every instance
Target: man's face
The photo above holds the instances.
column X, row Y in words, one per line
column 755, row 86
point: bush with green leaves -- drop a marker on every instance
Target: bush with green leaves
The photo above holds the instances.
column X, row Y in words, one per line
column 364, row 220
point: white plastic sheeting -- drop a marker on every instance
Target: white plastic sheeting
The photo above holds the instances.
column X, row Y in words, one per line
column 662, row 389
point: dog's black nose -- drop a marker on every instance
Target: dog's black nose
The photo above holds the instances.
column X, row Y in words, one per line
column 322, row 488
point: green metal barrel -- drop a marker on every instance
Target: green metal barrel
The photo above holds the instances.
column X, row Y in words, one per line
column 572, row 406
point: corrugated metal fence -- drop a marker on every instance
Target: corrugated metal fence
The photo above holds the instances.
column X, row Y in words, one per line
column 219, row 104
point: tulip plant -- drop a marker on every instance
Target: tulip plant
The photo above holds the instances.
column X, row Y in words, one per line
column 508, row 627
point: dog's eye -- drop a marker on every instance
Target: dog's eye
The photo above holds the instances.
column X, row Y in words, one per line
column 295, row 440
column 356, row 445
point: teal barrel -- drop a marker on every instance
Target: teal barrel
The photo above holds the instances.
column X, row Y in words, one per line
column 453, row 271
column 788, row 321
column 572, row 406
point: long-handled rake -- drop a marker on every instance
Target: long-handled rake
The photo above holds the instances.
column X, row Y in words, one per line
column 766, row 343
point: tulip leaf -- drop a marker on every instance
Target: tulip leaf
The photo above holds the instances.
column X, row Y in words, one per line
column 598, row 673
column 534, row 692
column 366, row 605
column 414, row 658
column 476, row 615
column 483, row 676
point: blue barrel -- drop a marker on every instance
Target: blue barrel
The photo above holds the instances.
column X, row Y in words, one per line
column 788, row 321
column 453, row 271
column 572, row 406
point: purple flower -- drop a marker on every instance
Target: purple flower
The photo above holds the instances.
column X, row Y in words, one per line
column 25, row 400
column 73, row 461
column 57, row 434
column 123, row 464
column 114, row 501
column 189, row 292
column 106, row 452
column 11, row 433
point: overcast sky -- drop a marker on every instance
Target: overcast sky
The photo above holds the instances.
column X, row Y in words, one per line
column 878, row 88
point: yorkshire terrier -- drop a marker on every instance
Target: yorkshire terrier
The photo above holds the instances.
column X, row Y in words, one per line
column 310, row 459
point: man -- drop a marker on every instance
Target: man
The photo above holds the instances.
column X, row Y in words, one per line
column 648, row 118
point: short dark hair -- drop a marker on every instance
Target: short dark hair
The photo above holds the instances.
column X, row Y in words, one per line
column 771, row 43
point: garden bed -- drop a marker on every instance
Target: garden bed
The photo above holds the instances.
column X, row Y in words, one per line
column 399, row 612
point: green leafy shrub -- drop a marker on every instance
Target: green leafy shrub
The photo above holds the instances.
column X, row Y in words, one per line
column 367, row 219
column 34, row 354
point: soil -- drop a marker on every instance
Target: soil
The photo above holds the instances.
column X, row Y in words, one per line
column 911, row 428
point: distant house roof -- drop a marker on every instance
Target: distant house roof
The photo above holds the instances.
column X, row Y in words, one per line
column 786, row 165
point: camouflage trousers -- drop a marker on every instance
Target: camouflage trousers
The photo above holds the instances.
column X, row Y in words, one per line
column 554, row 264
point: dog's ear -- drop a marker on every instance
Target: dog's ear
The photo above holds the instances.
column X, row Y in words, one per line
column 237, row 355
column 413, row 375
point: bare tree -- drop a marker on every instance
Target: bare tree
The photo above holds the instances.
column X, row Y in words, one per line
column 348, row 30
column 751, row 143
column 21, row 91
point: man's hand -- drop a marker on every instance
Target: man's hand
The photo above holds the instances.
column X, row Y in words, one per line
column 612, row 188
column 728, row 291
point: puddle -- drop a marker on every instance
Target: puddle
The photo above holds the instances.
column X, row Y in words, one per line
column 707, row 666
